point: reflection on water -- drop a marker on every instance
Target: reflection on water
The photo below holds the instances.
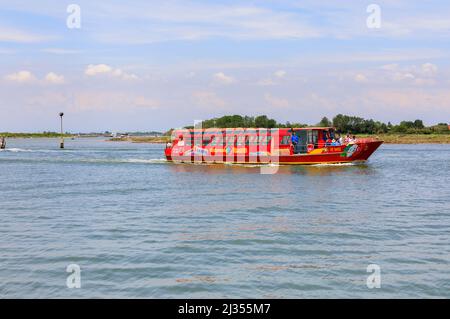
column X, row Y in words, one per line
column 322, row 169
column 139, row 226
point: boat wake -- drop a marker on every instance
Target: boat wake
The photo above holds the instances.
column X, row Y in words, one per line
column 121, row 161
column 253, row 165
column 82, row 160
column 146, row 161
column 335, row 164
column 16, row 150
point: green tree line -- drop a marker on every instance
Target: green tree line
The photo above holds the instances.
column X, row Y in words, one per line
column 342, row 123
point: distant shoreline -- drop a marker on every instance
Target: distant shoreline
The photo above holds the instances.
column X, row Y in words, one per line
column 35, row 135
column 412, row 138
column 387, row 138
column 142, row 139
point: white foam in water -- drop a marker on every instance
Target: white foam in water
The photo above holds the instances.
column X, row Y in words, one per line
column 146, row 161
column 17, row 150
column 335, row 164
column 121, row 161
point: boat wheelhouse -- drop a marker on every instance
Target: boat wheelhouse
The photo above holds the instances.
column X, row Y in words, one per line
column 311, row 145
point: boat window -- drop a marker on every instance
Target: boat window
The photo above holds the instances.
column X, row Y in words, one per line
column 313, row 137
column 286, row 140
column 241, row 140
column 262, row 139
column 230, row 139
column 218, row 141
column 253, row 139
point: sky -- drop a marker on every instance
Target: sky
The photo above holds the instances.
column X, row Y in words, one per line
column 153, row 65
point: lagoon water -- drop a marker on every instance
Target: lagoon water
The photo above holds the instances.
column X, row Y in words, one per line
column 140, row 227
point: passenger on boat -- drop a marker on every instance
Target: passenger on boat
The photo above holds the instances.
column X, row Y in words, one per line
column 295, row 143
column 347, row 138
column 351, row 139
column 329, row 141
column 334, row 143
column 294, row 139
column 180, row 141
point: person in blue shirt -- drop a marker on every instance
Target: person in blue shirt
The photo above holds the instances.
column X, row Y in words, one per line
column 294, row 139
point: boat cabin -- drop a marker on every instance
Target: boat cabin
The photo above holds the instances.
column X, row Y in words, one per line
column 283, row 141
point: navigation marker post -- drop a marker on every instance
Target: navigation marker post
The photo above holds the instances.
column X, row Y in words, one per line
column 61, row 145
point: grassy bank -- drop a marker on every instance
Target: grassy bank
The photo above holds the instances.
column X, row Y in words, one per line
column 412, row 138
column 142, row 139
column 32, row 135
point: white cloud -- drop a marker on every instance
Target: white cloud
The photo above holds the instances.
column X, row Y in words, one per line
column 390, row 67
column 27, row 77
column 274, row 80
column 280, row 74
column 403, row 76
column 266, row 82
column 21, row 77
column 429, row 69
column 223, row 79
column 96, row 69
column 422, row 75
column 361, row 78
column 126, row 76
column 54, row 78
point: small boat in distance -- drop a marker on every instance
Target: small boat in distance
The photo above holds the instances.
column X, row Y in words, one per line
column 293, row 146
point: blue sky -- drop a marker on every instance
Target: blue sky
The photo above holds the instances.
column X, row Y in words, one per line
column 152, row 65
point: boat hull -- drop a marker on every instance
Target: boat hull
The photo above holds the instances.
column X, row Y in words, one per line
column 356, row 152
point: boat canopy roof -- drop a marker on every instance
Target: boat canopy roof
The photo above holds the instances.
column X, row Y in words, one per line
column 314, row 128
column 252, row 129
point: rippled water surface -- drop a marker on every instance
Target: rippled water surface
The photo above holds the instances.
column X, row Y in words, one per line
column 140, row 227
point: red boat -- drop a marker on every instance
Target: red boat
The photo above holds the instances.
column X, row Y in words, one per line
column 312, row 145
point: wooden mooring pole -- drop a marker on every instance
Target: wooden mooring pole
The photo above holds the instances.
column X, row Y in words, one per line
column 3, row 143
